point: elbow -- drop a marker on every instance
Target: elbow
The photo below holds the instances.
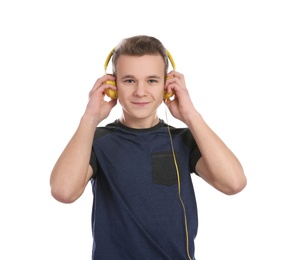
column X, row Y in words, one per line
column 236, row 185
column 63, row 195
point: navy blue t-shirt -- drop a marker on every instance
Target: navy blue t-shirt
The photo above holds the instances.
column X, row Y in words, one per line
column 137, row 213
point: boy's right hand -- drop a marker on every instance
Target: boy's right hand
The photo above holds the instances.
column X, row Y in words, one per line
column 97, row 106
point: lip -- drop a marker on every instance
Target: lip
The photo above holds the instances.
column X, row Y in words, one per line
column 140, row 104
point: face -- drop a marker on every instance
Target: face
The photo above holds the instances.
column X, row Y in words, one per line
column 140, row 83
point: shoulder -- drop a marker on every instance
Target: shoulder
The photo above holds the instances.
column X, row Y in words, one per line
column 184, row 134
column 102, row 131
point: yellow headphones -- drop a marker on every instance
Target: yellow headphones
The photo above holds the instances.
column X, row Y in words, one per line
column 113, row 94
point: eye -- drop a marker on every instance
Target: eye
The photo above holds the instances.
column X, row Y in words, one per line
column 129, row 81
column 152, row 81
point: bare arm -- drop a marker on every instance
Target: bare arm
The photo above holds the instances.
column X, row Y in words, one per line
column 218, row 165
column 72, row 171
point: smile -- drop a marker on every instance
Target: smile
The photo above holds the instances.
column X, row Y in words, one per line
column 140, row 104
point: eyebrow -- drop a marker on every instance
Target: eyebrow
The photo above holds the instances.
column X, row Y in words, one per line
column 148, row 77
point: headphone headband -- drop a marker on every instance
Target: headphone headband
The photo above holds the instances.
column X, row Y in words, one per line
column 112, row 52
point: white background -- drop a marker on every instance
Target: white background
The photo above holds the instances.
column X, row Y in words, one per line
column 238, row 62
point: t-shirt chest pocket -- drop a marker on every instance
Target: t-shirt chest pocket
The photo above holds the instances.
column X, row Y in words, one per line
column 164, row 169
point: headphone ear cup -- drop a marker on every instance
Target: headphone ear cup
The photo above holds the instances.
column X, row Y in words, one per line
column 168, row 95
column 113, row 94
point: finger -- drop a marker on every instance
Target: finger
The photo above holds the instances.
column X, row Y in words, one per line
column 171, row 84
column 171, row 74
column 176, row 75
column 101, row 81
column 109, row 77
column 112, row 102
column 97, row 84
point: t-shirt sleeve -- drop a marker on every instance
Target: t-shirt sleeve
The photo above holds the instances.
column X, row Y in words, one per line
column 100, row 132
column 194, row 157
column 195, row 153
column 94, row 163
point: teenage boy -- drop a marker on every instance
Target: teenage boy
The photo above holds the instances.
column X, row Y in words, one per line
column 144, row 206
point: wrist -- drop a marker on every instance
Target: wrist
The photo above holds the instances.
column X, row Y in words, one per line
column 192, row 117
column 89, row 121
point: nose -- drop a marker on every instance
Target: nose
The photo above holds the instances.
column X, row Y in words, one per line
column 140, row 90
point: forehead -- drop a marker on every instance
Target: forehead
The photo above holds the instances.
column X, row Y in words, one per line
column 147, row 64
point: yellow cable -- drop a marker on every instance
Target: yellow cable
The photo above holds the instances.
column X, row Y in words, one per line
column 179, row 188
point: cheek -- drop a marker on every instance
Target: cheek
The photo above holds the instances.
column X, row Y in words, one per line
column 160, row 91
column 124, row 90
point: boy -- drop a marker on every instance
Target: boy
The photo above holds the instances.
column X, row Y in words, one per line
column 144, row 205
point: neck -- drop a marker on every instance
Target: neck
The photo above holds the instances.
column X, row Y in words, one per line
column 139, row 123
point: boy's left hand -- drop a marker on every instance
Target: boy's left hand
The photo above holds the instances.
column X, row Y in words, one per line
column 181, row 105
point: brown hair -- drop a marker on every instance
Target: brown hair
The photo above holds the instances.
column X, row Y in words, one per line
column 138, row 46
